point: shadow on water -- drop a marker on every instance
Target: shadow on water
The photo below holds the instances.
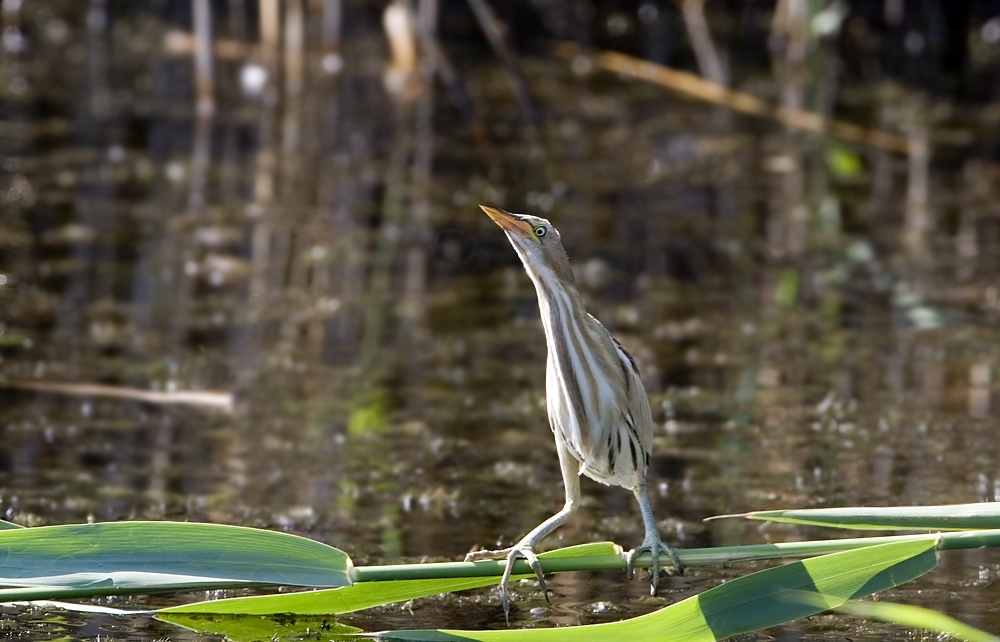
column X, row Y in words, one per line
column 253, row 203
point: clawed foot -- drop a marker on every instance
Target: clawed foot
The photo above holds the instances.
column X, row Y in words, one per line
column 512, row 554
column 654, row 546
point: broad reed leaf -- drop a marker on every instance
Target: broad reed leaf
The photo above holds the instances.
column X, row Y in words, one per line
column 83, row 560
column 4, row 525
column 745, row 604
column 952, row 517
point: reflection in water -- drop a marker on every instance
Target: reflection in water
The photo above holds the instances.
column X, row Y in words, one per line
column 816, row 322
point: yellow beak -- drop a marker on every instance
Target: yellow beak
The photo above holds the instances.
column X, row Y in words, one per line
column 511, row 223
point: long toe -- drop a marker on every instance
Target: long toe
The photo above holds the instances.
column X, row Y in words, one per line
column 532, row 559
column 654, row 546
column 536, row 566
column 678, row 565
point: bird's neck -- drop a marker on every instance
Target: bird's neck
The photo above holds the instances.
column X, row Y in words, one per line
column 558, row 299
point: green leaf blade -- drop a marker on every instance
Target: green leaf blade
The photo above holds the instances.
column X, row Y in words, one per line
column 77, row 560
column 953, row 517
column 768, row 598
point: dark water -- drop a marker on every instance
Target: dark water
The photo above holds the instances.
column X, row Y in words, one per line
column 816, row 322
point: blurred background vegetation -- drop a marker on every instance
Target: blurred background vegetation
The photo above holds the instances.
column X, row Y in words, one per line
column 244, row 277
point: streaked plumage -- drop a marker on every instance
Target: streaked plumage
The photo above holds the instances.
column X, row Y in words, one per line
column 597, row 406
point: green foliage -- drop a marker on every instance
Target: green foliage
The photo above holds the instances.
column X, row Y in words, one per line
column 787, row 292
column 332, row 601
column 843, row 163
column 140, row 557
column 368, row 418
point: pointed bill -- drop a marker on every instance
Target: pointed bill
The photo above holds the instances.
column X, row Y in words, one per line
column 511, row 223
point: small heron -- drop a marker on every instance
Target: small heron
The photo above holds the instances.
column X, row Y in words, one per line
column 597, row 406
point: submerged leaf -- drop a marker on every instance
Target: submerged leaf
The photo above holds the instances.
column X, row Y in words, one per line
column 918, row 618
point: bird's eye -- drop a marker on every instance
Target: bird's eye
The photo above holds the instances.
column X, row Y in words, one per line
column 540, row 231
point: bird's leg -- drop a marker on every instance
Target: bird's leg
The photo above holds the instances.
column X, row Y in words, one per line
column 525, row 548
column 651, row 542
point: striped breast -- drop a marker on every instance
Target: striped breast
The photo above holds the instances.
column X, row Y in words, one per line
column 595, row 398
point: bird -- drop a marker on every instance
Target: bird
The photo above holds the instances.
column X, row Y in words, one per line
column 596, row 402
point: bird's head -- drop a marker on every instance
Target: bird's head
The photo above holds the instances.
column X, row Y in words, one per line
column 537, row 243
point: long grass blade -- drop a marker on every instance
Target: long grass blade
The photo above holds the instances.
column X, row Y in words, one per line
column 953, row 517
